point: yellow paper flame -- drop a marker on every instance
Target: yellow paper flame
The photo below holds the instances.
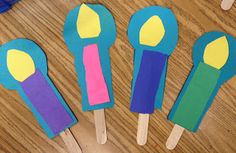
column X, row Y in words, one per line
column 88, row 22
column 20, row 64
column 217, row 52
column 152, row 31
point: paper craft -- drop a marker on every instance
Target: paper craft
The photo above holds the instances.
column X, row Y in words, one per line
column 153, row 32
column 89, row 32
column 96, row 85
column 163, row 31
column 148, row 80
column 5, row 5
column 214, row 56
column 24, row 68
column 227, row 4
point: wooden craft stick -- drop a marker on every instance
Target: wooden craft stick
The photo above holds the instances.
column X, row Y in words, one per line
column 142, row 129
column 70, row 141
column 100, row 125
column 174, row 137
column 227, row 4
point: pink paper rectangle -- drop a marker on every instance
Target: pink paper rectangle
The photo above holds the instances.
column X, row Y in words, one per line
column 95, row 82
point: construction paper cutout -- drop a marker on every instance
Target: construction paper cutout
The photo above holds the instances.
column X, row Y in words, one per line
column 160, row 93
column 96, row 85
column 76, row 45
column 165, row 46
column 195, row 99
column 147, row 82
column 152, row 31
column 226, row 72
column 10, row 2
column 4, row 6
column 20, row 65
column 217, row 52
column 9, row 82
column 46, row 102
column 88, row 23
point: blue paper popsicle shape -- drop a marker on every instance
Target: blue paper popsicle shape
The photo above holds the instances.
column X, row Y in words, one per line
column 225, row 73
column 37, row 90
column 150, row 60
column 102, row 40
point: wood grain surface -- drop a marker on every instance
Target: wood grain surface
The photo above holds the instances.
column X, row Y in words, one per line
column 42, row 21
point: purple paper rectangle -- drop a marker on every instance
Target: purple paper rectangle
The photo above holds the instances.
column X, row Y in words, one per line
column 45, row 101
column 147, row 82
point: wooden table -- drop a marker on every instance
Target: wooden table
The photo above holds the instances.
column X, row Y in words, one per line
column 42, row 21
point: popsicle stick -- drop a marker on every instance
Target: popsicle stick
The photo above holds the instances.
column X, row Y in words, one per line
column 227, row 4
column 174, row 137
column 70, row 141
column 142, row 129
column 100, row 125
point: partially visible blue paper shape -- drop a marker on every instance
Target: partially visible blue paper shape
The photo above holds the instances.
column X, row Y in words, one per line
column 5, row 5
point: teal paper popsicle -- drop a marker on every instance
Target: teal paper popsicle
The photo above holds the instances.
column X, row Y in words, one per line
column 203, row 83
column 78, row 41
column 38, row 91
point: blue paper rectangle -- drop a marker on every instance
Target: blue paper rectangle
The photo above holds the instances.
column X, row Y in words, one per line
column 147, row 82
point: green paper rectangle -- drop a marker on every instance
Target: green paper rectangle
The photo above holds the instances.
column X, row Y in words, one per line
column 196, row 96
